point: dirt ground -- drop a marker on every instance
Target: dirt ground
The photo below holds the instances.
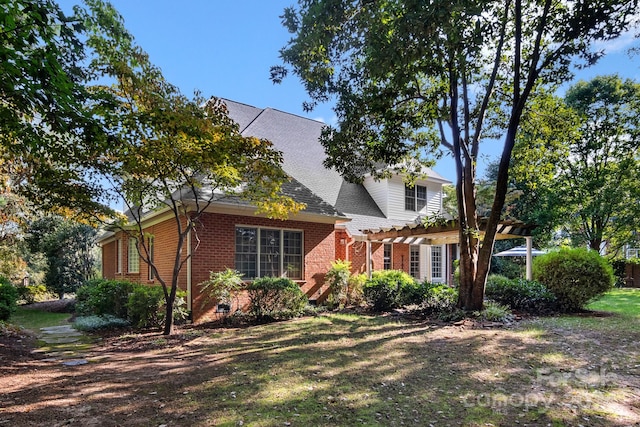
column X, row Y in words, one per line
column 190, row 377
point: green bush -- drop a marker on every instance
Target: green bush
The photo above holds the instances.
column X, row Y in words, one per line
column 33, row 293
column 439, row 299
column 94, row 323
column 521, row 295
column 146, row 307
column 275, row 298
column 222, row 287
column 142, row 305
column 356, row 288
column 338, row 279
column 8, row 298
column 391, row 289
column 575, row 276
column 101, row 296
column 494, row 312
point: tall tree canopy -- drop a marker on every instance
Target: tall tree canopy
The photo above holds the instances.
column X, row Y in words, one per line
column 48, row 140
column 586, row 150
column 168, row 152
column 409, row 76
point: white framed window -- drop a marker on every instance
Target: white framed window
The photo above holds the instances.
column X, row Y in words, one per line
column 436, row 263
column 269, row 252
column 133, row 258
column 414, row 261
column 415, row 198
column 119, row 256
column 387, row 254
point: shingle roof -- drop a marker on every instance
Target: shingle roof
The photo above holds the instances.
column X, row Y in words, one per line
column 303, row 155
column 298, row 140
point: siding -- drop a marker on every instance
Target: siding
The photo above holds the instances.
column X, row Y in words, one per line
column 379, row 191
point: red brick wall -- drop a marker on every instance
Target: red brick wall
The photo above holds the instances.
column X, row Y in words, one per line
column 358, row 254
column 216, row 252
column 165, row 242
column 109, row 260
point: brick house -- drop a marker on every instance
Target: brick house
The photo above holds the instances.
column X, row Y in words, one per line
column 331, row 227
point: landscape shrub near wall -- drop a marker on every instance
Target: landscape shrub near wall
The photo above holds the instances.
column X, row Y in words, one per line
column 344, row 288
column 522, row 295
column 139, row 305
column 101, row 296
column 272, row 298
column 391, row 289
column 439, row 299
column 575, row 276
column 8, row 298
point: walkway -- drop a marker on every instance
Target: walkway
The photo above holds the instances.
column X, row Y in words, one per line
column 64, row 344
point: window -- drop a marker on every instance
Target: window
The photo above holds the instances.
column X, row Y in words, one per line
column 150, row 247
column 414, row 261
column 415, row 198
column 119, row 256
column 262, row 252
column 387, row 256
column 133, row 257
column 436, row 263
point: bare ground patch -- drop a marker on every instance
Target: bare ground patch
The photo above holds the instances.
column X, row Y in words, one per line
column 337, row 370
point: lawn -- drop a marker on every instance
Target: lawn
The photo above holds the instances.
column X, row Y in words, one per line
column 33, row 320
column 344, row 370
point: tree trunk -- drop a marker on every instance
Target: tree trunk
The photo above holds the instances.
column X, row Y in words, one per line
column 168, row 319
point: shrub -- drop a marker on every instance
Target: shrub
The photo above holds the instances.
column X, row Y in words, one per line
column 575, row 276
column 145, row 307
column 356, row 288
column 338, row 279
column 275, row 298
column 101, row 296
column 8, row 298
column 439, row 299
column 33, row 293
column 522, row 295
column 222, row 287
column 142, row 305
column 391, row 289
column 494, row 312
column 93, row 323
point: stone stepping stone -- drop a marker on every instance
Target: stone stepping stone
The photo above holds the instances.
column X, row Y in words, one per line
column 75, row 362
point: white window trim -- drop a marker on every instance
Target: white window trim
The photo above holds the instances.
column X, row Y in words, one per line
column 132, row 254
column 283, row 272
column 415, row 198
column 119, row 256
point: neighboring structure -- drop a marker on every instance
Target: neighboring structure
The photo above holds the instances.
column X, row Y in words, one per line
column 302, row 248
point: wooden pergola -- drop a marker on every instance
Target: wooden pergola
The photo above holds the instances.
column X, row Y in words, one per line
column 447, row 232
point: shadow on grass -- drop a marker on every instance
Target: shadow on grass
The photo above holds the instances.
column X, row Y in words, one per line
column 339, row 370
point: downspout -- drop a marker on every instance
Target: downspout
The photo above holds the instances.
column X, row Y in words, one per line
column 529, row 262
column 189, row 253
column 368, row 258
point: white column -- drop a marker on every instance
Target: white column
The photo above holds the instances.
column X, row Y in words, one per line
column 368, row 258
column 529, row 258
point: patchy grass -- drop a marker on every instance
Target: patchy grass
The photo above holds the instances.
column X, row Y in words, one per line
column 345, row 369
column 33, row 320
column 340, row 369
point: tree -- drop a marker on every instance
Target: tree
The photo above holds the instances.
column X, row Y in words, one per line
column 587, row 151
column 169, row 152
column 48, row 140
column 411, row 76
column 69, row 249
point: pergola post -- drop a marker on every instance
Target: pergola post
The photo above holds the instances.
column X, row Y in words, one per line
column 529, row 262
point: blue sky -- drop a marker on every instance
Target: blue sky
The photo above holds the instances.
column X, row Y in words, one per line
column 225, row 49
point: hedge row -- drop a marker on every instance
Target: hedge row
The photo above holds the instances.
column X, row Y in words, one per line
column 141, row 305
